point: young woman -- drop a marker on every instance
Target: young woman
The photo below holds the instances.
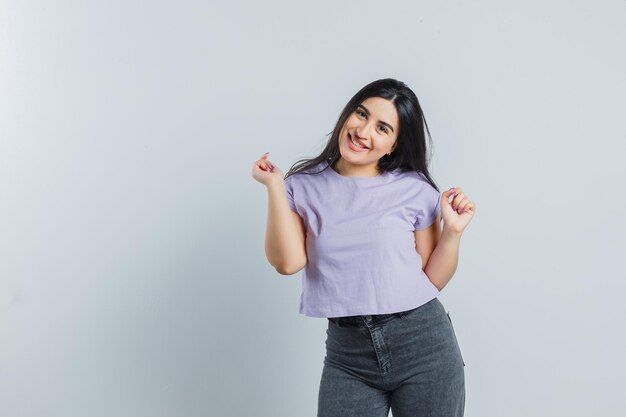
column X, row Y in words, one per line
column 363, row 221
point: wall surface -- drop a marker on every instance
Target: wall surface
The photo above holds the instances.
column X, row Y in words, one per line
column 133, row 278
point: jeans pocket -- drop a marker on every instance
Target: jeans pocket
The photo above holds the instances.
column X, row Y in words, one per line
column 455, row 338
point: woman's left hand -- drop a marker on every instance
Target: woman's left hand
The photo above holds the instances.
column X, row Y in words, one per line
column 457, row 213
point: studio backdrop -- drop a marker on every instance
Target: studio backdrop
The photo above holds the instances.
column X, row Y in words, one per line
column 133, row 276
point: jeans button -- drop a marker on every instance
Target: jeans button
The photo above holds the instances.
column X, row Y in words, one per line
column 368, row 318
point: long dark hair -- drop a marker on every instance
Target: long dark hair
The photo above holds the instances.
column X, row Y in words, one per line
column 410, row 153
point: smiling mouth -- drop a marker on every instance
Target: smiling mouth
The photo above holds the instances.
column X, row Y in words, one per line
column 356, row 143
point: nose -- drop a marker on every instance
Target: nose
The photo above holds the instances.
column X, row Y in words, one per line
column 363, row 131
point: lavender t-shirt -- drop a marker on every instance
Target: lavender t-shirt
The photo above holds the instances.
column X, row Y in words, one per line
column 361, row 256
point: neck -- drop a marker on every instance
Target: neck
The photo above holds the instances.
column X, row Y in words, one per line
column 350, row 170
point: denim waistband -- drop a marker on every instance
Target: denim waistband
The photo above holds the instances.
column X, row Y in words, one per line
column 366, row 318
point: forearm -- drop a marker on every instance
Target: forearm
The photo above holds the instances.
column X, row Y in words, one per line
column 284, row 239
column 444, row 259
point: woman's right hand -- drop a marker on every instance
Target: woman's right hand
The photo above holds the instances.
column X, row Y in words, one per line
column 264, row 171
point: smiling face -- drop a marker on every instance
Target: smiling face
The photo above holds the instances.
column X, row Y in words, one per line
column 374, row 127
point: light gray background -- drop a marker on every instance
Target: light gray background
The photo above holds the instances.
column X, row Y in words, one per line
column 133, row 275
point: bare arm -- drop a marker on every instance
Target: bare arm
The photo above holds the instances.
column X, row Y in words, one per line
column 426, row 240
column 444, row 259
column 285, row 234
column 457, row 214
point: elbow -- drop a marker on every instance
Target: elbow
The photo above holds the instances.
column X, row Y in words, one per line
column 437, row 285
column 285, row 269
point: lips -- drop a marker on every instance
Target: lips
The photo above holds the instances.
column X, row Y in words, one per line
column 357, row 140
column 353, row 147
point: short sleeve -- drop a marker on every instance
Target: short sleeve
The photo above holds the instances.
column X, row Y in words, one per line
column 289, row 188
column 430, row 207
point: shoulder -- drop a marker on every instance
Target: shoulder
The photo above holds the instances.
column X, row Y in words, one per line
column 302, row 181
column 408, row 174
column 306, row 175
column 416, row 180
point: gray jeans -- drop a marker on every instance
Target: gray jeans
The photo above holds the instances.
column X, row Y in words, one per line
column 409, row 362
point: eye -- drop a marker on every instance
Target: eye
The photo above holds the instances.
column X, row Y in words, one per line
column 360, row 112
column 385, row 129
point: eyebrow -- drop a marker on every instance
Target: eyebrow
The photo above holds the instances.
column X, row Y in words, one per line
column 368, row 113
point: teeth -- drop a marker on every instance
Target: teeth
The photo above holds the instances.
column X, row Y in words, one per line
column 355, row 143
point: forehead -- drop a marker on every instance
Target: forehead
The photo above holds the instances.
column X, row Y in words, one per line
column 383, row 110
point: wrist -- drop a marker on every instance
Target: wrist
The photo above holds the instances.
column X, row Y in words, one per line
column 450, row 231
column 275, row 182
